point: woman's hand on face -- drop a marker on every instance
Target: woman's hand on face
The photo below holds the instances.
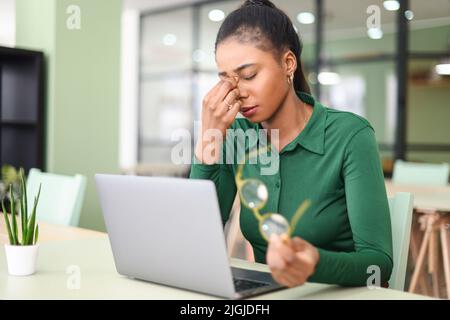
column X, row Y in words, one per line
column 216, row 112
column 220, row 107
column 291, row 261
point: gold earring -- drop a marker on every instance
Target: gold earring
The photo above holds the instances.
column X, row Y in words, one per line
column 290, row 79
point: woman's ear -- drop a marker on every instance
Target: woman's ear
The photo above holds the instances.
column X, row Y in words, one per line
column 289, row 62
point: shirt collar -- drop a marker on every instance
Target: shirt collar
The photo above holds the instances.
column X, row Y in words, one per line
column 312, row 137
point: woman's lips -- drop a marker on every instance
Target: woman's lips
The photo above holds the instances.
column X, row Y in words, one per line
column 248, row 111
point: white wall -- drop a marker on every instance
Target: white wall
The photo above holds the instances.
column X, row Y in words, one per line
column 7, row 23
column 129, row 89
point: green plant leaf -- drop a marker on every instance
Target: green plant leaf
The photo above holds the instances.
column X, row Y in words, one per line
column 24, row 188
column 24, row 205
column 8, row 226
column 13, row 216
column 36, row 234
column 22, row 220
column 32, row 220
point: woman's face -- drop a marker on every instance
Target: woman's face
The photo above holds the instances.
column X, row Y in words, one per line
column 262, row 80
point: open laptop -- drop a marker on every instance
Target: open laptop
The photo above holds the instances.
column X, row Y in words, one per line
column 169, row 231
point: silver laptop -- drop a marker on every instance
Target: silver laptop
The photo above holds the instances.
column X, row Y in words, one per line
column 169, row 231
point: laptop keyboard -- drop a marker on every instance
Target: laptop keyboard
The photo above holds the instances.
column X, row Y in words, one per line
column 244, row 284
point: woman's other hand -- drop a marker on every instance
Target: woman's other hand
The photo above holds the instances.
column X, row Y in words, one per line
column 291, row 261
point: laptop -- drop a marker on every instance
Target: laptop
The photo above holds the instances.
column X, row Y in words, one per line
column 169, row 231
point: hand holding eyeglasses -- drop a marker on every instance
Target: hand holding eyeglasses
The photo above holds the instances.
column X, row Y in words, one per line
column 291, row 261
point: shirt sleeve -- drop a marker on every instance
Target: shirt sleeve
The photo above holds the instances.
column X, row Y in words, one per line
column 223, row 178
column 369, row 217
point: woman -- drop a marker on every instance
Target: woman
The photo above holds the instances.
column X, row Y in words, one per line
column 325, row 155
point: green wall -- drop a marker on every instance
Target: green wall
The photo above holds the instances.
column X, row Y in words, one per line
column 83, row 87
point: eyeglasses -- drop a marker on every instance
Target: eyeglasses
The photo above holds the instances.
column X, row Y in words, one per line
column 254, row 195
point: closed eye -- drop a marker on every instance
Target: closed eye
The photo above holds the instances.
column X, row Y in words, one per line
column 250, row 78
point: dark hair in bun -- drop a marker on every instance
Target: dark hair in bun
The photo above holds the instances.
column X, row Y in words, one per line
column 269, row 28
column 259, row 3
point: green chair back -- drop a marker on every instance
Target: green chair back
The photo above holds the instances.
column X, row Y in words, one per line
column 61, row 198
column 401, row 208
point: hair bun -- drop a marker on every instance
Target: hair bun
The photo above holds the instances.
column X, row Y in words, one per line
column 264, row 3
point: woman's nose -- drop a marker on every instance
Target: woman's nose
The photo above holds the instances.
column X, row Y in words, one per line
column 242, row 90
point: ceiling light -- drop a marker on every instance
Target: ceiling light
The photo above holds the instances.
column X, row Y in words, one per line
column 305, row 18
column 169, row 39
column 327, row 78
column 409, row 14
column 443, row 69
column 391, row 5
column 375, row 33
column 216, row 15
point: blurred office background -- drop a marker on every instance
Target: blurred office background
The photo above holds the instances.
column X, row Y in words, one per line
column 115, row 87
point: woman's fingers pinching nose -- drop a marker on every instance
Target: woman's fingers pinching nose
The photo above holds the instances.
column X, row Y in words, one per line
column 233, row 80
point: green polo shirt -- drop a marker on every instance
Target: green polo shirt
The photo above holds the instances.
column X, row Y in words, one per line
column 334, row 162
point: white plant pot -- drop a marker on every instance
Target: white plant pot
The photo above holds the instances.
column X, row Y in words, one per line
column 21, row 260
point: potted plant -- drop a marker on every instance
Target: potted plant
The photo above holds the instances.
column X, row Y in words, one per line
column 22, row 250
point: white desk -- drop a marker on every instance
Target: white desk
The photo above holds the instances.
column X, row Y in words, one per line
column 99, row 279
column 425, row 198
